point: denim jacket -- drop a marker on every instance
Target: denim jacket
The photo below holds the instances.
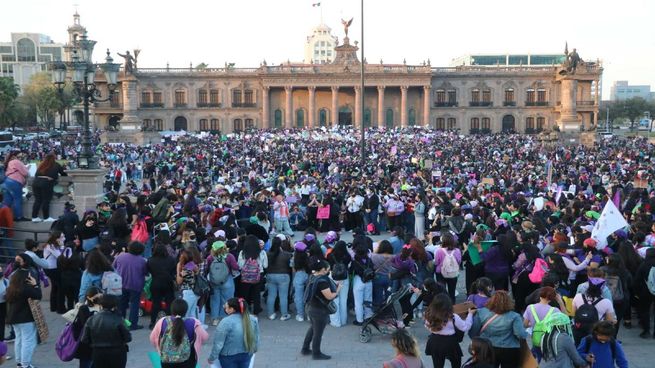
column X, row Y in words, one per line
column 228, row 338
column 88, row 280
column 504, row 332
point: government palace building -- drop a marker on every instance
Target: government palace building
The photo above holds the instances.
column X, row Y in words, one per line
column 476, row 94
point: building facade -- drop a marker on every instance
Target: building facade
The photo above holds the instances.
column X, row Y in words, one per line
column 621, row 90
column 27, row 54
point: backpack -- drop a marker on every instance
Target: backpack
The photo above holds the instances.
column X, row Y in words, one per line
column 66, row 344
column 339, row 271
column 588, row 340
column 201, row 286
column 140, row 232
column 539, row 329
column 250, row 272
column 650, row 281
column 615, row 285
column 218, row 272
column 539, row 270
column 169, row 352
column 585, row 317
column 112, row 283
column 449, row 266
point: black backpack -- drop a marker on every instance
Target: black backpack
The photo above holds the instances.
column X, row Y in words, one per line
column 585, row 318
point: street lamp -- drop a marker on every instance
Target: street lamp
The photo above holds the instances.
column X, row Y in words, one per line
column 82, row 71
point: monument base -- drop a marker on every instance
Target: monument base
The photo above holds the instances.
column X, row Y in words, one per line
column 130, row 137
column 87, row 187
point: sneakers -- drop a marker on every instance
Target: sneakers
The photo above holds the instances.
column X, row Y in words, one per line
column 50, row 219
column 299, row 318
column 307, row 351
column 321, row 356
column 37, row 219
column 272, row 317
column 215, row 322
column 285, row 317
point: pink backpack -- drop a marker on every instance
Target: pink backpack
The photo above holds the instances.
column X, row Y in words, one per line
column 538, row 271
column 140, row 231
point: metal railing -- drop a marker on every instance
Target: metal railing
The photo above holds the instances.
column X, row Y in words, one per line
column 536, row 103
column 481, row 103
column 12, row 246
column 152, row 104
column 445, row 104
column 509, row 103
column 205, row 104
column 243, row 104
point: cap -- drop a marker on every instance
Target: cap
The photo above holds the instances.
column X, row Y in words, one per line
column 218, row 245
column 587, row 228
column 219, row 234
column 589, row 243
column 300, row 246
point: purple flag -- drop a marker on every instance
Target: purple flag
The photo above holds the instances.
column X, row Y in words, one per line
column 617, row 199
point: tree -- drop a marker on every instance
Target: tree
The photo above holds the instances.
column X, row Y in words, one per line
column 9, row 110
column 201, row 66
column 41, row 96
column 631, row 109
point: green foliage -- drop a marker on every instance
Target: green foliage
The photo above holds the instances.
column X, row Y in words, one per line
column 9, row 109
column 631, row 109
column 43, row 99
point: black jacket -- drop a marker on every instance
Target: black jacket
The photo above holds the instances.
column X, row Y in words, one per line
column 163, row 272
column 641, row 276
column 106, row 330
column 18, row 311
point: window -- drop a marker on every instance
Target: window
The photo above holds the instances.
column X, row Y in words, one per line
column 323, row 117
column 541, row 123
column 475, row 123
column 486, row 124
column 475, row 95
column 486, row 95
column 146, row 98
column 452, row 97
column 214, row 125
column 26, row 50
column 238, row 125
column 147, row 124
column 202, row 97
column 156, row 98
column 452, row 123
column 440, row 96
column 541, row 95
column 115, row 100
column 441, row 124
column 529, row 125
column 213, row 97
column 509, row 97
column 300, row 118
column 203, row 125
column 250, row 124
column 530, row 96
column 236, row 96
column 411, row 117
column 180, row 97
column 159, row 124
column 278, row 118
column 248, row 97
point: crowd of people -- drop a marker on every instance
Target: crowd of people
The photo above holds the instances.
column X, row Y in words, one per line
column 214, row 231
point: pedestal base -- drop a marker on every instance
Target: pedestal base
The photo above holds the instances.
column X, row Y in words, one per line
column 572, row 138
column 138, row 137
column 87, row 187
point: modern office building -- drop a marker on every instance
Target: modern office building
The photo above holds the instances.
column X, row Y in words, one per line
column 27, row 54
column 509, row 60
column 621, row 90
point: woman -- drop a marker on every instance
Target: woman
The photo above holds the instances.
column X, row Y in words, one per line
column 631, row 260
column 43, row 185
column 118, row 227
column 419, row 217
column 363, row 275
column 340, row 259
column 85, row 311
column 503, row 327
column 277, row 280
column 592, row 296
column 70, row 266
column 22, row 287
column 96, row 265
column 186, row 271
column 68, row 221
column 558, row 348
column 170, row 332
column 498, row 260
column 252, row 262
column 451, row 257
column 407, row 353
column 618, row 276
column 223, row 289
column 312, row 209
column 15, row 179
column 382, row 265
column 51, row 251
column 645, row 297
column 482, row 354
column 538, row 312
column 88, row 230
column 237, row 336
column 161, row 267
column 106, row 334
column 301, row 271
column 522, row 286
column 446, row 331
column 322, row 291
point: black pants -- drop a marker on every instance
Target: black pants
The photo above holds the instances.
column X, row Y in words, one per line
column 69, row 293
column 319, row 319
column 499, row 280
column 3, row 316
column 252, row 294
column 56, row 297
column 160, row 294
column 450, row 284
column 42, row 189
column 644, row 307
column 109, row 357
column 441, row 347
column 508, row 357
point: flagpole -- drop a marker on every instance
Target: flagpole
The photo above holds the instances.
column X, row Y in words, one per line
column 362, row 108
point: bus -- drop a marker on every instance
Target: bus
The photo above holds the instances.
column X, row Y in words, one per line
column 6, row 138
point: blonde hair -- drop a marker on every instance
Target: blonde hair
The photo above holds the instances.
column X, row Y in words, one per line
column 405, row 343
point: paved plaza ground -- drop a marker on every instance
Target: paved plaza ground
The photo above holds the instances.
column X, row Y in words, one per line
column 280, row 344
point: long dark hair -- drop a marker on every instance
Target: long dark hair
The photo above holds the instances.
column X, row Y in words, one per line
column 439, row 312
column 179, row 308
column 482, row 350
column 47, row 163
column 16, row 285
column 10, row 156
column 249, row 338
column 251, row 249
column 630, row 257
column 97, row 263
column 276, row 245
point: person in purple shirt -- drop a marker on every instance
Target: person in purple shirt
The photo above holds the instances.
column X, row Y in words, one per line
column 497, row 260
column 448, row 249
column 483, row 288
column 132, row 268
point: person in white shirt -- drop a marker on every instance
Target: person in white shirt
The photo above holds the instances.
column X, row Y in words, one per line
column 354, row 205
column 51, row 251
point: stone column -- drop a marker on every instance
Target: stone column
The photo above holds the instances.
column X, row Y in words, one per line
column 311, row 122
column 129, row 92
column 288, row 120
column 568, row 113
column 266, row 108
column 358, row 107
column 88, row 187
column 596, row 100
column 426, row 105
column 380, row 106
column 403, row 106
column 334, row 114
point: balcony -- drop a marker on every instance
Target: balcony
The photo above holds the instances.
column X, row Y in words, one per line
column 243, row 104
column 509, row 103
column 180, row 104
column 204, row 104
column 446, row 104
column 481, row 103
column 147, row 105
column 585, row 103
column 536, row 103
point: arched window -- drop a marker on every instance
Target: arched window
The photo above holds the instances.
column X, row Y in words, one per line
column 530, row 97
column 486, row 124
column 323, row 117
column 541, row 97
column 147, row 124
column 475, row 124
column 25, row 50
column 202, row 98
column 237, row 125
column 452, row 124
column 203, row 125
column 278, row 118
column 529, row 125
column 250, row 124
column 411, row 117
column 180, row 98
column 300, row 118
column 541, row 123
column 159, row 125
column 389, row 118
column 236, row 98
column 215, row 126
column 367, row 118
column 509, row 97
column 441, row 124
column 475, row 96
column 248, row 98
column 213, row 98
column 440, row 98
column 486, row 97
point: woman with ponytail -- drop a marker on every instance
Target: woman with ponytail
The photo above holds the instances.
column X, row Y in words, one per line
column 237, row 336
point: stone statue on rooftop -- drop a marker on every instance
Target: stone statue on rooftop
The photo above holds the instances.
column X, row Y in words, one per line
column 346, row 24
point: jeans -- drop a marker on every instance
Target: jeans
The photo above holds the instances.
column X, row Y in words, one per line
column 380, row 285
column 191, row 300
column 43, row 189
column 241, row 360
column 25, row 342
column 299, row 283
column 319, row 319
column 277, row 284
column 363, row 295
column 340, row 318
column 131, row 298
column 14, row 197
column 220, row 295
column 282, row 227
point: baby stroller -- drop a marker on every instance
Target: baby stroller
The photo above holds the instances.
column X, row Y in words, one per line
column 387, row 319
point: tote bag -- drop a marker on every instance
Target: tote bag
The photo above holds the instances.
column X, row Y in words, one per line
column 323, row 213
column 39, row 320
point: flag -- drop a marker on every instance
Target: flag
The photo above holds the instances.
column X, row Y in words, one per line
column 316, row 4
column 617, row 198
column 610, row 221
column 549, row 172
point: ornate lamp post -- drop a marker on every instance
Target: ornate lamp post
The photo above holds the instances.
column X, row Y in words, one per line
column 81, row 71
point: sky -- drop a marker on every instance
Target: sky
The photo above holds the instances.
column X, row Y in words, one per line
column 245, row 32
